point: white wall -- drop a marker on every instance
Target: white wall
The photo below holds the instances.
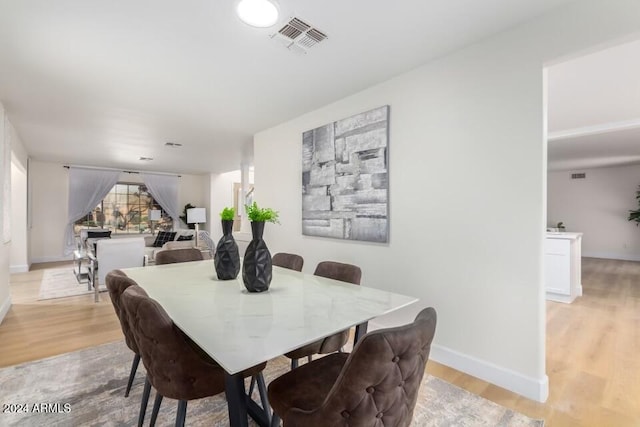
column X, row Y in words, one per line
column 5, row 295
column 19, row 262
column 221, row 197
column 19, row 158
column 467, row 191
column 50, row 188
column 49, row 194
column 598, row 206
column 20, row 250
column 20, row 246
column 195, row 189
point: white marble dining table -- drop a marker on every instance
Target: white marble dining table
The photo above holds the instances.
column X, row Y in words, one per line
column 241, row 329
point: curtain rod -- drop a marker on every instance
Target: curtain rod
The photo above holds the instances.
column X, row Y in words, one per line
column 124, row 171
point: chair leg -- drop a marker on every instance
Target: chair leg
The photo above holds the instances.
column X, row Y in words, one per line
column 181, row 415
column 252, row 386
column 294, row 364
column 134, row 368
column 262, row 389
column 145, row 400
column 275, row 420
column 156, row 409
column 309, row 359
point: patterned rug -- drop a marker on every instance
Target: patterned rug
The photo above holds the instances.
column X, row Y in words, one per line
column 60, row 283
column 86, row 388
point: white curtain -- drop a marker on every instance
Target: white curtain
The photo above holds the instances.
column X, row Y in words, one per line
column 87, row 187
column 164, row 189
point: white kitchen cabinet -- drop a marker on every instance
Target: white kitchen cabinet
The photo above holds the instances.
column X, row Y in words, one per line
column 563, row 269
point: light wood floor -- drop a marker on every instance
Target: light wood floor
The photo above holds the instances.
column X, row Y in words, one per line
column 593, row 345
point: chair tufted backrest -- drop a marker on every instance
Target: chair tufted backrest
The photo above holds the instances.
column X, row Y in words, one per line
column 176, row 367
column 178, row 255
column 117, row 282
column 379, row 383
column 290, row 261
column 339, row 271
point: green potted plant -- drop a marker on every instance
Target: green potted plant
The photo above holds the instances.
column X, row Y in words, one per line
column 257, row 214
column 183, row 217
column 228, row 214
column 634, row 215
column 257, row 267
column 227, row 257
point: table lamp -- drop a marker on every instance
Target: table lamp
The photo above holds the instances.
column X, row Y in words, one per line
column 196, row 216
column 154, row 215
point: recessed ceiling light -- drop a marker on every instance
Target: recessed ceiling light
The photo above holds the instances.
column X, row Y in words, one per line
column 146, row 159
column 258, row 13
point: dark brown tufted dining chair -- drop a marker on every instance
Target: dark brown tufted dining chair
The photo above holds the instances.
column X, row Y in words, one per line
column 338, row 271
column 290, row 261
column 171, row 256
column 117, row 282
column 176, row 367
column 376, row 385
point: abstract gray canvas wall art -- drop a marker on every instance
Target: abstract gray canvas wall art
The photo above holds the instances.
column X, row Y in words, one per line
column 345, row 178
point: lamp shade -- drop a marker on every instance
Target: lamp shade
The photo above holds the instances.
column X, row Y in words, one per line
column 155, row 214
column 196, row 215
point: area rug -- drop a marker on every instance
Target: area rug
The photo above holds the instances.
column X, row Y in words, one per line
column 86, row 388
column 60, row 283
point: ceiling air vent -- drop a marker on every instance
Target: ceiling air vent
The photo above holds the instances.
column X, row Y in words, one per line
column 298, row 36
column 581, row 175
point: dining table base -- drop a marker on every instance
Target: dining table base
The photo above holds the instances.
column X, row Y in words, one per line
column 361, row 330
column 240, row 405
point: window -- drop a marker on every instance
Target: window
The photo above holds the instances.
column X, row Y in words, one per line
column 125, row 210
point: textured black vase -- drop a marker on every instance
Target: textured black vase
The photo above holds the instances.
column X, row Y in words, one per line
column 227, row 257
column 256, row 268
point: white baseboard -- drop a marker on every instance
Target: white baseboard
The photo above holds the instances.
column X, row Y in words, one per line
column 611, row 255
column 52, row 259
column 532, row 388
column 4, row 308
column 18, row 269
column 567, row 299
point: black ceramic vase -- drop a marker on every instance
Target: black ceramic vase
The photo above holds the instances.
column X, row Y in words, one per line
column 227, row 257
column 256, row 267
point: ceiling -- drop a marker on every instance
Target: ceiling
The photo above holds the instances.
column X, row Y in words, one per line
column 102, row 83
column 594, row 109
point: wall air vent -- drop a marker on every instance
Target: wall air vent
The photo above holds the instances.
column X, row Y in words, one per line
column 581, row 175
column 298, row 36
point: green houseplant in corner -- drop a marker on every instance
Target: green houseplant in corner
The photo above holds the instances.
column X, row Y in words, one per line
column 227, row 257
column 634, row 215
column 257, row 267
column 183, row 217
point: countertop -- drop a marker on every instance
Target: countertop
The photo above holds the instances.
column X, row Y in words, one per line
column 563, row 235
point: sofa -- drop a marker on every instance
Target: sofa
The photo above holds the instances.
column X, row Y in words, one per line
column 163, row 240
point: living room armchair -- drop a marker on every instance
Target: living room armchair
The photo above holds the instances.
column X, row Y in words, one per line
column 114, row 254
